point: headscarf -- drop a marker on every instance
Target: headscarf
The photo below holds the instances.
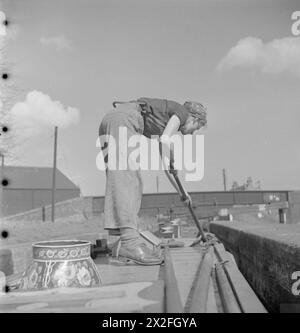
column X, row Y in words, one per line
column 197, row 110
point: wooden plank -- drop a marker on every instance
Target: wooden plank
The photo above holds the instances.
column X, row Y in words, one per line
column 185, row 262
column 113, row 271
column 217, row 296
column 201, row 285
column 145, row 297
column 115, row 308
column 173, row 301
column 63, row 294
column 211, row 306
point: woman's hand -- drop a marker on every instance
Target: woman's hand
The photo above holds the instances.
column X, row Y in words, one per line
column 187, row 199
column 172, row 169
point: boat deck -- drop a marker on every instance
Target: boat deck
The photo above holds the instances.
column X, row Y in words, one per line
column 192, row 279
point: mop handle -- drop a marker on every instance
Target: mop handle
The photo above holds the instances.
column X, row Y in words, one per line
column 181, row 189
column 174, row 173
column 182, row 193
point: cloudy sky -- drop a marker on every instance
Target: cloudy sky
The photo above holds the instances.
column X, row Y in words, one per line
column 69, row 60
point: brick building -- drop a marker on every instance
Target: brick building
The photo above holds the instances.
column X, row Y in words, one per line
column 31, row 187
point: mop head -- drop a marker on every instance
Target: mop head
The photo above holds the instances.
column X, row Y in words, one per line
column 158, row 242
column 211, row 239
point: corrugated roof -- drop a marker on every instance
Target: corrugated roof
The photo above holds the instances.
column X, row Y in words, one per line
column 20, row 177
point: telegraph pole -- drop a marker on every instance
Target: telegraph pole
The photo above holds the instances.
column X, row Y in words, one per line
column 224, row 180
column 54, row 175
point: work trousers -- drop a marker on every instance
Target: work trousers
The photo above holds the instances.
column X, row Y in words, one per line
column 124, row 188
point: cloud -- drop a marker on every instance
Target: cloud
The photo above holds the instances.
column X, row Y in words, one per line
column 58, row 42
column 274, row 57
column 38, row 113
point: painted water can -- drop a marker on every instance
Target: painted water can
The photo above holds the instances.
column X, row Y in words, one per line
column 61, row 263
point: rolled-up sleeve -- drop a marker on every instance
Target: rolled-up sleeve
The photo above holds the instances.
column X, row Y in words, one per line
column 179, row 110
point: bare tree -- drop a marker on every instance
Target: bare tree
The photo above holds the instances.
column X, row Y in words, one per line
column 8, row 95
column 235, row 186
